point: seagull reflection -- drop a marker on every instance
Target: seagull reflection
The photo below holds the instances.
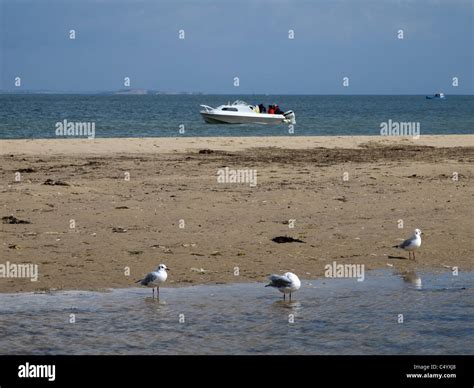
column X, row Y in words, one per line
column 412, row 278
column 291, row 305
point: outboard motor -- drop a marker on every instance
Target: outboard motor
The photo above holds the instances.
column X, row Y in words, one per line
column 290, row 117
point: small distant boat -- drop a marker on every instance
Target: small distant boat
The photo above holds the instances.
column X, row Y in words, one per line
column 436, row 96
column 239, row 112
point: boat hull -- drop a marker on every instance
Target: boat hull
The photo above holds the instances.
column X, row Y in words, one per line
column 236, row 118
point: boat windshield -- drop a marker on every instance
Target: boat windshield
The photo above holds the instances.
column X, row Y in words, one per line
column 239, row 102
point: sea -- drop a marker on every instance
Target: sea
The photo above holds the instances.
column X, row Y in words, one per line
column 36, row 116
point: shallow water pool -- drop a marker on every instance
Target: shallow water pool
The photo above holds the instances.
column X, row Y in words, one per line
column 327, row 316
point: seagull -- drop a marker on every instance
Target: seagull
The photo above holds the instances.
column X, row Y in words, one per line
column 286, row 283
column 410, row 245
column 155, row 278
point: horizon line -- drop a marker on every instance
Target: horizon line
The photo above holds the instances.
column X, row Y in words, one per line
column 160, row 93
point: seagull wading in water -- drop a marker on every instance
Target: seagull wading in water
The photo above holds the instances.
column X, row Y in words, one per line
column 155, row 279
column 286, row 283
column 412, row 244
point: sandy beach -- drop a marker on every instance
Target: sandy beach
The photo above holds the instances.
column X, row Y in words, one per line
column 184, row 144
column 135, row 203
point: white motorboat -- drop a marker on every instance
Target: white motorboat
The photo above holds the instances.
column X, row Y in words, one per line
column 239, row 112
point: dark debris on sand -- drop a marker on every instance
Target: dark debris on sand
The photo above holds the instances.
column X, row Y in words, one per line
column 286, row 239
column 26, row 170
column 52, row 182
column 119, row 229
column 14, row 220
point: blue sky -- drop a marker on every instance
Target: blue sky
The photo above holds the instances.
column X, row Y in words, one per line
column 246, row 39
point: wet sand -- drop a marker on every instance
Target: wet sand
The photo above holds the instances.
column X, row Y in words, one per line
column 135, row 223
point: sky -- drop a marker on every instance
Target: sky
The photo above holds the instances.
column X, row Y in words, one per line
column 247, row 39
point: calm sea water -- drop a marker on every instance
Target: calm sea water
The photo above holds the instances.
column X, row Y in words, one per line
column 340, row 316
column 35, row 116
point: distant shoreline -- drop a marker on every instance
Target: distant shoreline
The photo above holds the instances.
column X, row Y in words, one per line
column 164, row 93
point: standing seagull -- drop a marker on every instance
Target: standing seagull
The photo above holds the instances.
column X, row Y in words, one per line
column 286, row 283
column 155, row 278
column 412, row 244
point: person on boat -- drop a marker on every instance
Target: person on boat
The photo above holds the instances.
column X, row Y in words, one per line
column 262, row 108
column 278, row 111
column 271, row 109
